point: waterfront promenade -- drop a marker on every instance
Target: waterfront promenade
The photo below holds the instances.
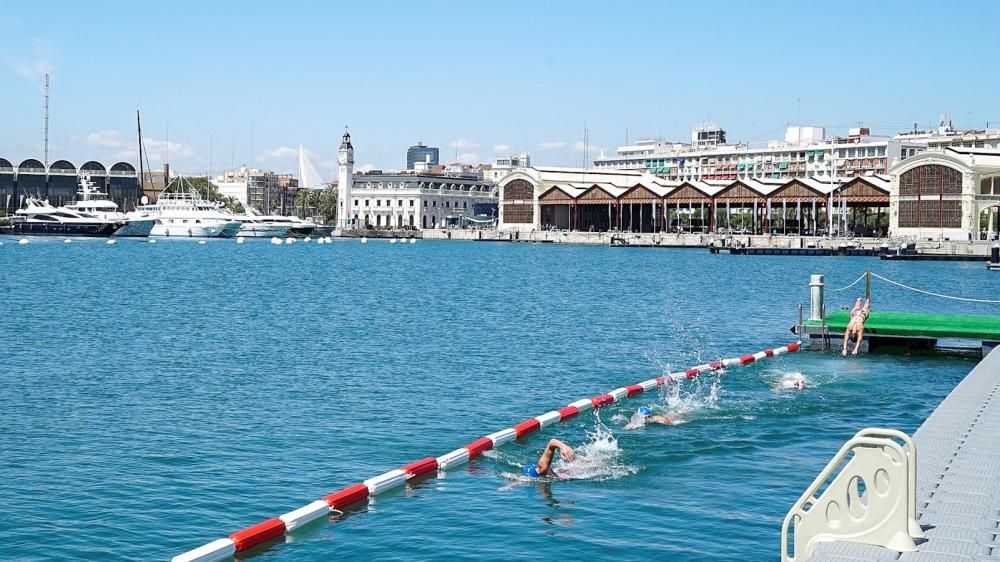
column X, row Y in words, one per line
column 958, row 467
column 703, row 240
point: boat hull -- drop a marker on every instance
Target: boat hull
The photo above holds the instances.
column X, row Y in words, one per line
column 218, row 230
column 136, row 228
column 301, row 231
column 65, row 229
column 261, row 231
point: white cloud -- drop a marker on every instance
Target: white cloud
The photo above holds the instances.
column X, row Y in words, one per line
column 160, row 151
column 469, row 158
column 32, row 68
column 106, row 139
column 552, row 145
column 578, row 146
column 366, row 167
column 280, row 153
column 502, row 148
column 329, row 164
column 462, row 143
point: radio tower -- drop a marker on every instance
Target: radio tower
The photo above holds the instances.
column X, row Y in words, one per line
column 45, row 117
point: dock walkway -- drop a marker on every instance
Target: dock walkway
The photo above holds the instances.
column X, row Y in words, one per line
column 958, row 478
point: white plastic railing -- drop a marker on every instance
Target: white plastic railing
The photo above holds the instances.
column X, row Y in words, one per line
column 911, row 455
column 871, row 500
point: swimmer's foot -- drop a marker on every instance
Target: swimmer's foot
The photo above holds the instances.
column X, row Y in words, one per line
column 844, row 352
column 855, row 352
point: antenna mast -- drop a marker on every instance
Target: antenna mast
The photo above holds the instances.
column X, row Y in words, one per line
column 46, row 120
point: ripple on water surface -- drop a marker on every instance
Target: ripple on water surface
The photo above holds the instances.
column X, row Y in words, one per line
column 155, row 397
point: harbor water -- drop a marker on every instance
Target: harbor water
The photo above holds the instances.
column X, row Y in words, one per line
column 154, row 397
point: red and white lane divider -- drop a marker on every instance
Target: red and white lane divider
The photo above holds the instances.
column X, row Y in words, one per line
column 337, row 501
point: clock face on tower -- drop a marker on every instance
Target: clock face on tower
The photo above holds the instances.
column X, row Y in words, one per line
column 342, row 157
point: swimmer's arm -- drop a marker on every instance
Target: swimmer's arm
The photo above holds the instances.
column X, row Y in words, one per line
column 545, row 461
column 565, row 450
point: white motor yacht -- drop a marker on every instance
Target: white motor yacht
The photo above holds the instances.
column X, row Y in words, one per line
column 185, row 214
column 93, row 202
column 294, row 226
column 251, row 226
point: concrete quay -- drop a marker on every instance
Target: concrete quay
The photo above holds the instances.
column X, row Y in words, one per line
column 704, row 240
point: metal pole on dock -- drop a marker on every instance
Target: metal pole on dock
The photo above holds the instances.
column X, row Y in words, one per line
column 816, row 297
column 868, row 286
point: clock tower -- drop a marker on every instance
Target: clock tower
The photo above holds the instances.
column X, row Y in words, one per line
column 345, row 181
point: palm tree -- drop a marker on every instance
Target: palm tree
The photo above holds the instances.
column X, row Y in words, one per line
column 303, row 200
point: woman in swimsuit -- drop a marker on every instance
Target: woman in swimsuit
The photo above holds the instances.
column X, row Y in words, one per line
column 857, row 325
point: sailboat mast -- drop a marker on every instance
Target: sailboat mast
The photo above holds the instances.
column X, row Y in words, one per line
column 142, row 176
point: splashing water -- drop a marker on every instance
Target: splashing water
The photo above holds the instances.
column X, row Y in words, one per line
column 679, row 402
column 791, row 381
column 597, row 459
column 684, row 398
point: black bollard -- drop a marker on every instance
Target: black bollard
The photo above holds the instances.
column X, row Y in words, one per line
column 995, row 254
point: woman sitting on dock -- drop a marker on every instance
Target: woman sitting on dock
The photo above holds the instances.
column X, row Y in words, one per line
column 857, row 325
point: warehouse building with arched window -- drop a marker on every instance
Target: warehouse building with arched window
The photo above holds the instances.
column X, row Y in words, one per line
column 949, row 194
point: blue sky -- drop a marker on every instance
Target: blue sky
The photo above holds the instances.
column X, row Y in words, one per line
column 476, row 78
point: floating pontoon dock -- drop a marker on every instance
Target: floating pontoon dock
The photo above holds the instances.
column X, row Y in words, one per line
column 825, row 331
column 958, row 471
column 913, row 325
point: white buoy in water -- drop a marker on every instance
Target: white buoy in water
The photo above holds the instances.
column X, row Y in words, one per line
column 364, row 240
column 276, row 240
column 152, row 241
column 392, row 240
column 112, row 242
column 22, row 241
column 203, row 242
column 239, row 239
column 413, row 240
column 307, row 239
column 67, row 241
column 289, row 240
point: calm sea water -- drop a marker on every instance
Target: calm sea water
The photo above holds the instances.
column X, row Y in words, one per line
column 156, row 397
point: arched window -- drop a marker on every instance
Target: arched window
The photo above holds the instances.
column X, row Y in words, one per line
column 918, row 207
column 518, row 189
column 518, row 213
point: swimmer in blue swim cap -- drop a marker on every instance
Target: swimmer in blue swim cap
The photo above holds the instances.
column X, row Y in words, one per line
column 645, row 416
column 544, row 465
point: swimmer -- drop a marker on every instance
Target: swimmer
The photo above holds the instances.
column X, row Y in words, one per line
column 795, row 381
column 857, row 325
column 544, row 465
column 645, row 415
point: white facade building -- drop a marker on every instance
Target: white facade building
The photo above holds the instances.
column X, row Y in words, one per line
column 251, row 187
column 804, row 153
column 420, row 201
column 503, row 165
